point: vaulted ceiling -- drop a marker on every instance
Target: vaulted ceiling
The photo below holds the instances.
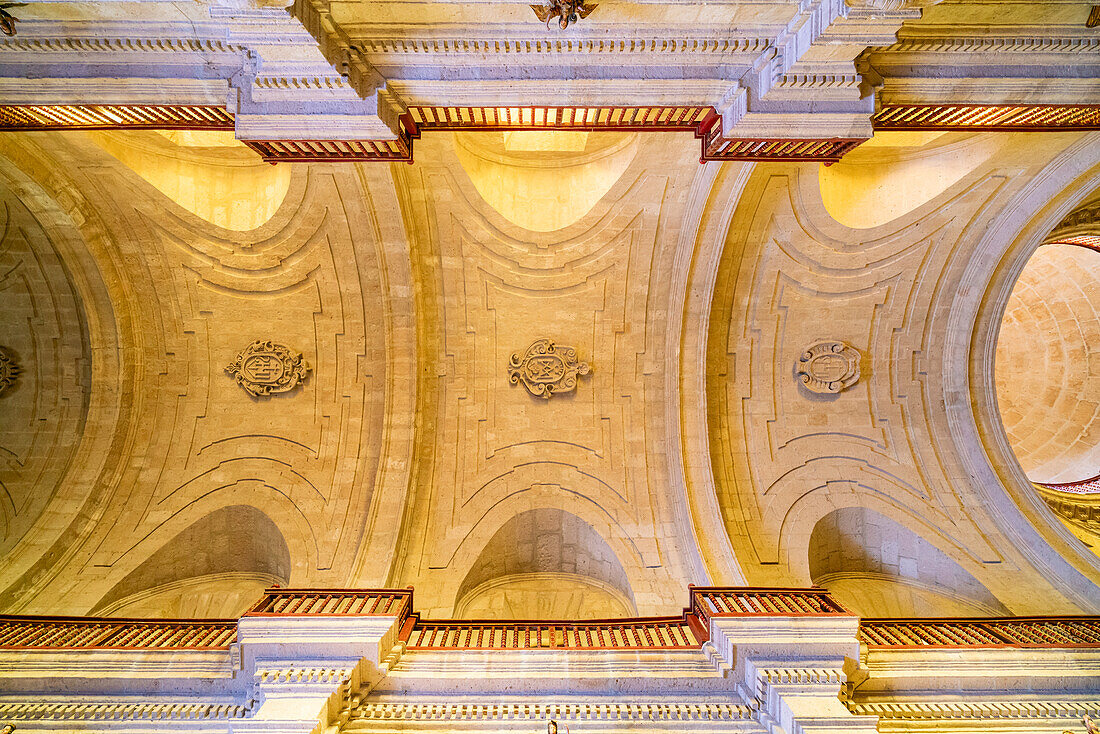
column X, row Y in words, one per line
column 794, row 370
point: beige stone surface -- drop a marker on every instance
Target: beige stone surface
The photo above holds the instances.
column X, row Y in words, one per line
column 690, row 453
column 1048, row 365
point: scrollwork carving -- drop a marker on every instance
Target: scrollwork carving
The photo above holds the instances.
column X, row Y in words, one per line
column 264, row 368
column 9, row 370
column 828, row 367
column 546, row 368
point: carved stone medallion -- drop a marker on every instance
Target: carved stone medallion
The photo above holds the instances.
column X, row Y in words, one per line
column 265, row 368
column 828, row 367
column 9, row 370
column 546, row 368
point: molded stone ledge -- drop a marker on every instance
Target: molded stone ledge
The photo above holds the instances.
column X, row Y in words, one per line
column 1020, row 672
column 96, row 665
column 309, row 640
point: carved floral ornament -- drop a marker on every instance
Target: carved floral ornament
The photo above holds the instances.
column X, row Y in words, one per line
column 264, row 368
column 566, row 11
column 546, row 368
column 9, row 370
column 828, row 367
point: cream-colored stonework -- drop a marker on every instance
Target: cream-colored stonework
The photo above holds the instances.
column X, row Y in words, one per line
column 846, row 375
column 690, row 453
column 790, row 273
column 1048, row 366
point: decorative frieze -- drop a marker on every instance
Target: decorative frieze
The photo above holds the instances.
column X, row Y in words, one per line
column 828, row 367
column 546, row 369
column 953, row 710
column 114, row 117
column 265, row 368
column 987, row 117
column 615, row 711
column 300, row 151
column 9, row 370
column 68, row 710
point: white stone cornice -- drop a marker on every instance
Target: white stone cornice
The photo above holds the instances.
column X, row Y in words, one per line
column 114, row 664
column 527, row 715
column 998, row 714
column 639, row 40
column 766, row 124
column 989, row 90
column 792, row 670
column 640, row 666
column 568, row 92
column 1032, row 50
column 67, row 90
column 63, row 712
column 1025, row 673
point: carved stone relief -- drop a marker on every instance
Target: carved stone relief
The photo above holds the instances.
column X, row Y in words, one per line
column 546, row 368
column 829, row 367
column 265, row 368
column 9, row 370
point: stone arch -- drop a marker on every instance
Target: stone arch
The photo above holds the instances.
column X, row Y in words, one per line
column 215, row 567
column 975, row 313
column 36, row 182
column 877, row 567
column 546, row 563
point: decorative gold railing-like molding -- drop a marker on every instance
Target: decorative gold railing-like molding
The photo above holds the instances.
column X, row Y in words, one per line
column 333, row 603
column 716, row 601
column 689, row 630
column 1053, row 632
column 66, row 633
column 114, row 116
column 974, row 117
column 703, row 120
column 1084, row 486
column 657, row 633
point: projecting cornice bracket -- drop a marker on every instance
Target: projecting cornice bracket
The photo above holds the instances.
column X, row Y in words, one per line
column 791, row 671
column 336, row 47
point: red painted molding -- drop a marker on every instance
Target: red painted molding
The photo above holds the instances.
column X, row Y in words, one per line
column 115, row 117
column 973, row 117
column 687, row 631
column 1040, row 632
column 1084, row 486
column 701, row 120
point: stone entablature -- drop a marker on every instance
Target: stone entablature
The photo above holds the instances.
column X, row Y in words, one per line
column 812, row 79
column 758, row 660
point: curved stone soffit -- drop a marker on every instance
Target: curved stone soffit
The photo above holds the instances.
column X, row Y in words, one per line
column 29, row 561
column 486, row 289
column 999, row 253
column 797, row 277
column 854, row 543
column 312, row 269
column 716, row 193
column 1047, row 392
column 209, row 547
column 376, row 564
column 545, row 540
column 45, row 369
